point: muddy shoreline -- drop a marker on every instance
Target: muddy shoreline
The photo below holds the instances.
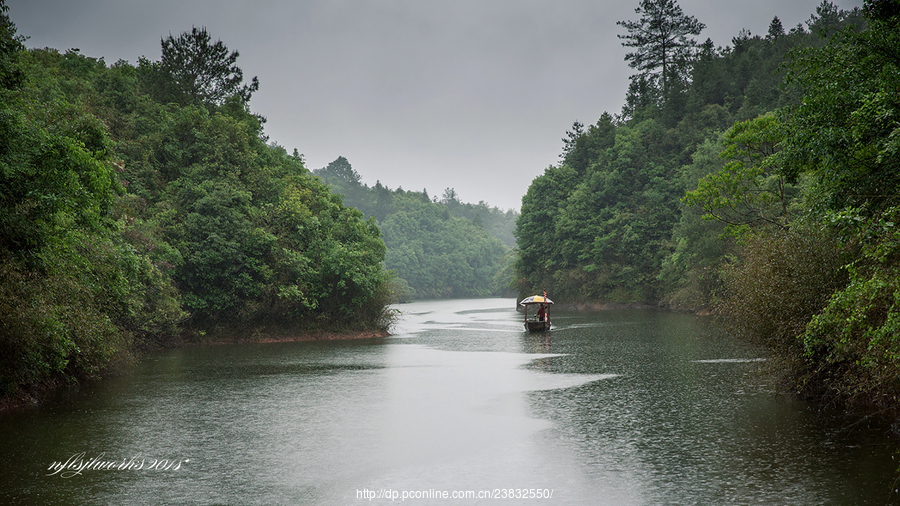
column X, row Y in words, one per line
column 285, row 338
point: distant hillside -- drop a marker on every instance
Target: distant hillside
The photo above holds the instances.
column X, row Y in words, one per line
column 439, row 248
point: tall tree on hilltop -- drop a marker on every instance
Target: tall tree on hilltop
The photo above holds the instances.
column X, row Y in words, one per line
column 776, row 29
column 340, row 170
column 202, row 72
column 11, row 73
column 661, row 42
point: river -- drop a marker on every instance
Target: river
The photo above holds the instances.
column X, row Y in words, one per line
column 613, row 407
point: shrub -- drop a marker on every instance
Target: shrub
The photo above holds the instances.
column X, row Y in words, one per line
column 50, row 328
column 853, row 346
column 781, row 280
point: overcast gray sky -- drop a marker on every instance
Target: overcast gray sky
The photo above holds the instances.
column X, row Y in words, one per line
column 470, row 94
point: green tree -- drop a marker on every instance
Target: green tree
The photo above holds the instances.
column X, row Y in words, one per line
column 328, row 259
column 845, row 131
column 752, row 189
column 691, row 273
column 440, row 255
column 844, row 135
column 339, row 171
column 608, row 224
column 776, row 29
column 11, row 73
column 344, row 180
column 55, row 174
column 851, row 348
column 104, row 243
column 428, row 239
column 583, row 147
column 74, row 292
column 539, row 253
column 199, row 71
column 661, row 41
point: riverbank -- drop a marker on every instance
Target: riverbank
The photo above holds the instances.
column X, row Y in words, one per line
column 285, row 337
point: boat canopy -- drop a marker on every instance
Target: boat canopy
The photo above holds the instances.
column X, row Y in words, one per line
column 535, row 299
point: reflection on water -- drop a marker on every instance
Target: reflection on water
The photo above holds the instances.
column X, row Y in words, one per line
column 616, row 407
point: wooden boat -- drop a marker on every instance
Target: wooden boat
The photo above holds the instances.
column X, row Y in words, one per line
column 537, row 320
column 537, row 326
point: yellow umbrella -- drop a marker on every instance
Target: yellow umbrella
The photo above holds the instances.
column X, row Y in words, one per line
column 535, row 299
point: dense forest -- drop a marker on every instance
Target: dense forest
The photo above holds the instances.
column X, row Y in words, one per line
column 140, row 204
column 439, row 248
column 758, row 181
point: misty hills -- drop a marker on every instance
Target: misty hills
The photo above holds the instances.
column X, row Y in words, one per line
column 438, row 247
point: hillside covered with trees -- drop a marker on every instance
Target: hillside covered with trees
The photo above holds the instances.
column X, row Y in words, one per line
column 439, row 248
column 142, row 203
column 757, row 180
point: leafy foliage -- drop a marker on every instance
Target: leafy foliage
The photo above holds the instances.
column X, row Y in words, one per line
column 604, row 234
column 845, row 131
column 751, row 190
column 609, row 222
column 75, row 294
column 129, row 217
column 788, row 226
column 844, row 136
column 852, row 347
column 440, row 255
column 11, row 74
column 438, row 248
column 196, row 70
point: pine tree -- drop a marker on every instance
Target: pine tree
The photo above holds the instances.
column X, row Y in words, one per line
column 200, row 71
column 663, row 47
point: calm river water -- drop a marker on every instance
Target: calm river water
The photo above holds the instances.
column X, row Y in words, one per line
column 614, row 407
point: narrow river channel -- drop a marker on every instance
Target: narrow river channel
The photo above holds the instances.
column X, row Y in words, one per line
column 614, row 407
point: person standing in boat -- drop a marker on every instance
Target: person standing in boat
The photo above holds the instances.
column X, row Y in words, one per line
column 542, row 313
